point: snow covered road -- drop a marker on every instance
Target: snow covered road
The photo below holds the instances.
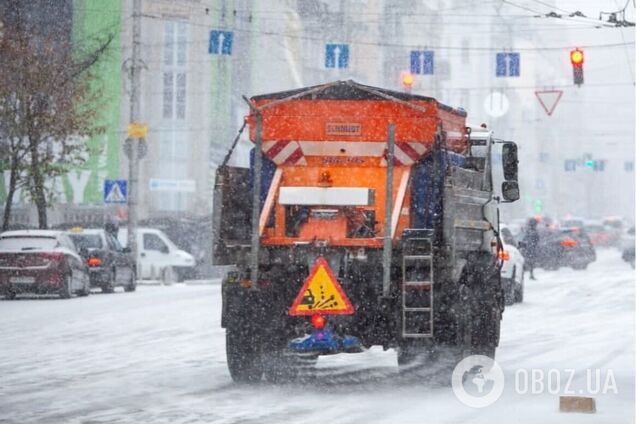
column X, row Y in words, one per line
column 158, row 356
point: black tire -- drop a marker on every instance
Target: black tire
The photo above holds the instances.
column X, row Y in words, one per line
column 65, row 290
column 132, row 284
column 109, row 287
column 86, row 290
column 519, row 292
column 509, row 289
column 244, row 356
column 486, row 309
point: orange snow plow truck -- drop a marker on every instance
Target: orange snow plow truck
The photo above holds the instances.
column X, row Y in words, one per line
column 367, row 217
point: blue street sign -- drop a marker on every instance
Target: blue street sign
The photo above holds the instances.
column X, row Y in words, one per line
column 508, row 64
column 115, row 191
column 422, row 62
column 336, row 56
column 220, row 42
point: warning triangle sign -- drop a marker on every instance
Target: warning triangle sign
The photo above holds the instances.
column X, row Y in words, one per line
column 321, row 293
column 549, row 99
column 115, row 195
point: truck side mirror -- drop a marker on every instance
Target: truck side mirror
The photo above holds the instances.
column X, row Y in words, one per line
column 510, row 191
column 509, row 161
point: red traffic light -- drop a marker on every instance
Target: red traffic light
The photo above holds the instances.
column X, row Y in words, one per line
column 577, row 57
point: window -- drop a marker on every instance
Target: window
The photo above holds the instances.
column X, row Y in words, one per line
column 175, row 50
column 154, row 242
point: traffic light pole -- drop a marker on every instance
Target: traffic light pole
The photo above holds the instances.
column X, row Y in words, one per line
column 133, row 166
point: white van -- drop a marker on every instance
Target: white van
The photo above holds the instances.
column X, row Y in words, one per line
column 158, row 258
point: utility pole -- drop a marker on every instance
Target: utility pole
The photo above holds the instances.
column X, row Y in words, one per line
column 133, row 166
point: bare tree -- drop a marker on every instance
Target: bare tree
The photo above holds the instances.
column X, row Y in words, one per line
column 48, row 109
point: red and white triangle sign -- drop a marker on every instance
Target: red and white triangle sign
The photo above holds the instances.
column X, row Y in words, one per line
column 549, row 99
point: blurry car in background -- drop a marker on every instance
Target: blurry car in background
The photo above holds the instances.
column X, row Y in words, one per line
column 109, row 264
column 157, row 256
column 626, row 244
column 569, row 247
column 615, row 226
column 512, row 277
column 41, row 262
column 599, row 235
column 572, row 222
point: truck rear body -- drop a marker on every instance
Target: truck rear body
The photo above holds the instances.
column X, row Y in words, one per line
column 323, row 200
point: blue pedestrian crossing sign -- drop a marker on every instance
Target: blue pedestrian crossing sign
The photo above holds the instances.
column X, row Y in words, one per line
column 508, row 64
column 422, row 62
column 115, row 191
column 220, row 42
column 336, row 56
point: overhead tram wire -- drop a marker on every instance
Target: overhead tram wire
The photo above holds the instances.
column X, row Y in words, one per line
column 374, row 44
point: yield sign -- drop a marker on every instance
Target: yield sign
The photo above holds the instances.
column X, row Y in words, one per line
column 549, row 99
column 321, row 294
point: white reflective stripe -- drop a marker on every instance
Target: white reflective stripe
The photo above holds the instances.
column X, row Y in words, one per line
column 327, row 196
column 332, row 148
column 420, row 148
column 286, row 152
column 401, row 156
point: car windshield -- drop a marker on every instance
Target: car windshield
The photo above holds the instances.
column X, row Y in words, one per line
column 27, row 243
column 87, row 241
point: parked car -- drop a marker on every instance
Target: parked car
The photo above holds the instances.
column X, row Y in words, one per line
column 599, row 235
column 627, row 246
column 41, row 262
column 157, row 256
column 565, row 247
column 109, row 264
column 615, row 226
column 512, row 277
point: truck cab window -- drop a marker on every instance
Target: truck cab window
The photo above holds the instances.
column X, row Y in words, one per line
column 153, row 242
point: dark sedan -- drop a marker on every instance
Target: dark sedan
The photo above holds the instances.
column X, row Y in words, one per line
column 41, row 262
column 109, row 264
column 565, row 247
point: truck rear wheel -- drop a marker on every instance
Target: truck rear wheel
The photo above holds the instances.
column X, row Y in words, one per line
column 244, row 356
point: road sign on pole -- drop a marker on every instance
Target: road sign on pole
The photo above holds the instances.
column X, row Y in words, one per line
column 115, row 191
column 549, row 99
column 422, row 62
column 508, row 64
column 220, row 42
column 336, row 56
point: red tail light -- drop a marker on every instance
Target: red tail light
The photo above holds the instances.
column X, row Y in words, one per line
column 318, row 321
column 94, row 262
column 568, row 243
column 504, row 255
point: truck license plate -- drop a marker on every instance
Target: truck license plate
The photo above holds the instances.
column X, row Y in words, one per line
column 22, row 280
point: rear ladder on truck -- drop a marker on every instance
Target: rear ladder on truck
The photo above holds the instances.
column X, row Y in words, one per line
column 417, row 284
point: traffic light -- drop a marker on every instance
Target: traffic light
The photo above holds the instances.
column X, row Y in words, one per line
column 577, row 58
column 406, row 79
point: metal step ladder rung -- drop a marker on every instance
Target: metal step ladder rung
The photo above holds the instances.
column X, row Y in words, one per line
column 417, row 289
column 418, row 283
